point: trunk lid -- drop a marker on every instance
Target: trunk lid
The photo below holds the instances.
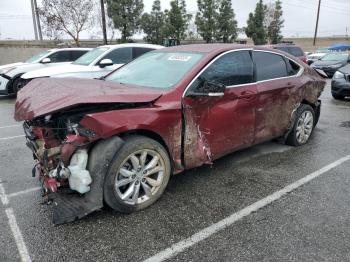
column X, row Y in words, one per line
column 44, row 96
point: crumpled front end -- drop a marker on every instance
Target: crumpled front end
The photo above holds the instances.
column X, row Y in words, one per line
column 61, row 152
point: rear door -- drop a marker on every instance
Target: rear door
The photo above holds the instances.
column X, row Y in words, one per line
column 275, row 86
column 215, row 126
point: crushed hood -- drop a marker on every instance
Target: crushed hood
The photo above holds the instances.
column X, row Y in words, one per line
column 44, row 96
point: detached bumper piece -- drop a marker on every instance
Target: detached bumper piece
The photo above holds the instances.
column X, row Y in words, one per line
column 68, row 207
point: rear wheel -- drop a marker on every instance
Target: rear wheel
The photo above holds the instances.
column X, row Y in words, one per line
column 303, row 126
column 138, row 175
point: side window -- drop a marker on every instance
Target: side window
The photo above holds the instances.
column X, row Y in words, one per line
column 234, row 68
column 269, row 66
column 292, row 67
column 120, row 55
column 75, row 54
column 139, row 51
column 60, row 56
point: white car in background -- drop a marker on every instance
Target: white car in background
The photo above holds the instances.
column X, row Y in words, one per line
column 94, row 64
column 10, row 74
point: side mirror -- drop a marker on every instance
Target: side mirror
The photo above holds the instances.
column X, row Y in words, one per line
column 45, row 60
column 105, row 62
column 207, row 88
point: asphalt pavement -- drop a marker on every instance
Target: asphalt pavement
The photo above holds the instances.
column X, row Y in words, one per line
column 229, row 211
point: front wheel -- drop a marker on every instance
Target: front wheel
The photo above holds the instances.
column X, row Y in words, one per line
column 303, row 126
column 138, row 175
column 16, row 85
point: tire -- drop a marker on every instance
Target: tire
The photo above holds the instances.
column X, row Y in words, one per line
column 127, row 170
column 303, row 126
column 338, row 97
column 15, row 86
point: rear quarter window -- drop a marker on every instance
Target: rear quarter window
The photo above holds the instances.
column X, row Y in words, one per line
column 292, row 67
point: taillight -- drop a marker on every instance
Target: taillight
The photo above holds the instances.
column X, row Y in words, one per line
column 304, row 59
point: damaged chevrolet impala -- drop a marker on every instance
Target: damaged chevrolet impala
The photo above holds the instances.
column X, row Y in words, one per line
column 117, row 140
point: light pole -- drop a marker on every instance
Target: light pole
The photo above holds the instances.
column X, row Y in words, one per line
column 34, row 20
column 38, row 20
column 103, row 22
column 318, row 16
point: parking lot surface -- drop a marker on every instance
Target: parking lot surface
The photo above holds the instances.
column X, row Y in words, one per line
column 311, row 222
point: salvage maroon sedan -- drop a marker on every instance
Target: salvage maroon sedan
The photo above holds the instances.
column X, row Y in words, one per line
column 118, row 140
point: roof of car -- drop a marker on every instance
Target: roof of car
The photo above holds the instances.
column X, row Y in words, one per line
column 282, row 45
column 206, row 48
column 70, row 48
column 215, row 49
column 134, row 45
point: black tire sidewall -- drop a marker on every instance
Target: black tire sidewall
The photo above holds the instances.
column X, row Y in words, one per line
column 292, row 137
column 15, row 83
column 338, row 97
column 132, row 144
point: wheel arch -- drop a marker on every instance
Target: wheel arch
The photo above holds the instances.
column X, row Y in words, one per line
column 10, row 88
column 152, row 135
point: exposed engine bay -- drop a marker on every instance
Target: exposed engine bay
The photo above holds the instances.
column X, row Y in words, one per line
column 60, row 149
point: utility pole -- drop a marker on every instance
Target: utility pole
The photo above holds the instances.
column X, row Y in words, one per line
column 104, row 31
column 318, row 16
column 38, row 20
column 34, row 20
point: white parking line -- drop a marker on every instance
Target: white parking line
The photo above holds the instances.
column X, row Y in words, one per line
column 3, row 197
column 207, row 232
column 10, row 126
column 16, row 232
column 11, row 137
column 23, row 192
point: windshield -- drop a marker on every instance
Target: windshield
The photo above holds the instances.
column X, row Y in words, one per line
column 156, row 69
column 90, row 56
column 37, row 57
column 335, row 57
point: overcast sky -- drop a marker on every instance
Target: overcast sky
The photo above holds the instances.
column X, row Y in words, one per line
column 299, row 16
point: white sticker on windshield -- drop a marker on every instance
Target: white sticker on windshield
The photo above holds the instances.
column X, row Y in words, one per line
column 181, row 58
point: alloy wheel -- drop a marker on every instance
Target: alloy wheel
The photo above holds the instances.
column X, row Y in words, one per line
column 304, row 127
column 139, row 177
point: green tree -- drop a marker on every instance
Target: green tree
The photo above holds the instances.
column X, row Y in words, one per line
column 126, row 16
column 153, row 24
column 274, row 28
column 206, row 19
column 226, row 22
column 176, row 20
column 255, row 25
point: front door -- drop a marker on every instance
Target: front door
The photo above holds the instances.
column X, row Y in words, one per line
column 217, row 125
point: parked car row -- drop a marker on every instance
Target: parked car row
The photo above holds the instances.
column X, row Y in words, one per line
column 10, row 74
column 70, row 62
column 116, row 140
